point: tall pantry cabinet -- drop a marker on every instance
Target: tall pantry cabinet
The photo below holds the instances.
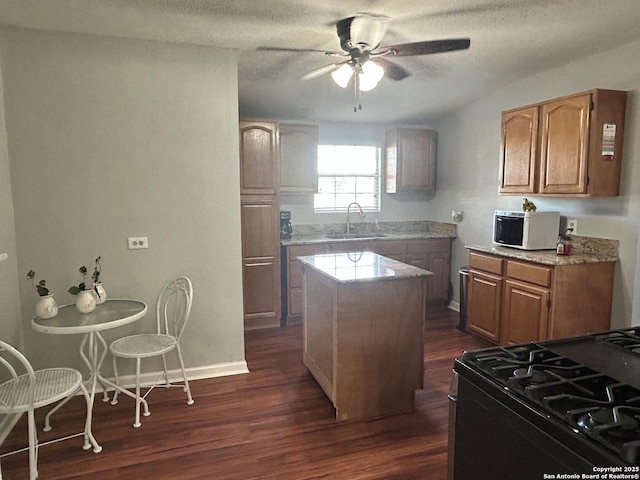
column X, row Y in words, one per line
column 260, row 217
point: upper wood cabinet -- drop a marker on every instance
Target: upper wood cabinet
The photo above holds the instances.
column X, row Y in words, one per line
column 410, row 160
column 568, row 146
column 258, row 157
column 518, row 151
column 298, row 158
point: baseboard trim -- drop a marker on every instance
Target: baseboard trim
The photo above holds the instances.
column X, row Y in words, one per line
column 196, row 373
column 455, row 306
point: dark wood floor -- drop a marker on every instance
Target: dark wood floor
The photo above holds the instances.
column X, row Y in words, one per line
column 273, row 423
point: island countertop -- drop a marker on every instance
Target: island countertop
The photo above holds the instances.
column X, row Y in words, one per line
column 364, row 266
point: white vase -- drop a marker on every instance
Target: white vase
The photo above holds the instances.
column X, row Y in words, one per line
column 86, row 301
column 99, row 292
column 46, row 306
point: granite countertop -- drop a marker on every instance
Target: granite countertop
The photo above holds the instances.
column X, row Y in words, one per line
column 585, row 250
column 333, row 233
column 359, row 267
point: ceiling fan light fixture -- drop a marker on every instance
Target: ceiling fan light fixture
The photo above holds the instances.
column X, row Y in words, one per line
column 342, row 75
column 371, row 74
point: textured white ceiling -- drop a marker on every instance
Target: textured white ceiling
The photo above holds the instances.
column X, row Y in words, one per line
column 509, row 39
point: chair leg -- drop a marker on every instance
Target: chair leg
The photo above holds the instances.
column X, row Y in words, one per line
column 137, row 422
column 33, row 446
column 184, row 376
column 47, row 418
column 89, row 439
column 167, row 384
column 114, row 400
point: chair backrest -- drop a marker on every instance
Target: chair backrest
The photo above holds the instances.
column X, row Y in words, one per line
column 174, row 307
column 16, row 365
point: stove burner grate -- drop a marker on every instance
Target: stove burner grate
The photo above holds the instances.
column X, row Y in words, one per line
column 618, row 428
column 602, row 408
column 628, row 339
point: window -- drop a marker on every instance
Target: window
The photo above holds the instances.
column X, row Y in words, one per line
column 347, row 173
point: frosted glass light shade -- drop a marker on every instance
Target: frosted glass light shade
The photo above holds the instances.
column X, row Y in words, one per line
column 371, row 74
column 342, row 75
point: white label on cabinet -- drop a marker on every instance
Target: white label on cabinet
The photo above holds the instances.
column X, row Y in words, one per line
column 608, row 140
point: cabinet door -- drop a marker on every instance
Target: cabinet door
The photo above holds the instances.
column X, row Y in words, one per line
column 410, row 160
column 564, row 143
column 298, row 158
column 432, row 255
column 258, row 157
column 295, row 299
column 260, row 260
column 484, row 301
column 261, row 292
column 525, row 313
column 439, row 283
column 518, row 151
column 394, row 249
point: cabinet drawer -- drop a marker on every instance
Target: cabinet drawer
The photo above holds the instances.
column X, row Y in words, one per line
column 530, row 273
column 389, row 248
column 296, row 251
column 428, row 245
column 294, row 267
column 486, row 263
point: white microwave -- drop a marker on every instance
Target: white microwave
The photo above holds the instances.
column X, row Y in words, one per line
column 526, row 230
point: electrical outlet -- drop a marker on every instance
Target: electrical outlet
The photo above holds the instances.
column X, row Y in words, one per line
column 572, row 223
column 136, row 243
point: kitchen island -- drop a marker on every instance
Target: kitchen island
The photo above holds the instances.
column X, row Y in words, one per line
column 363, row 322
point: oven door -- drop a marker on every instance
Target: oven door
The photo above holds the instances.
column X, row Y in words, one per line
column 508, row 230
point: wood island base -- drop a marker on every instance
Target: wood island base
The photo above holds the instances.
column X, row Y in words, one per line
column 363, row 340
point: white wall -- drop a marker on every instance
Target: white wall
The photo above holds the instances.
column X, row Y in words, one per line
column 9, row 301
column 469, row 142
column 110, row 138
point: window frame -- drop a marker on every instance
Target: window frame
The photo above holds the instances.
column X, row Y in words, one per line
column 376, row 176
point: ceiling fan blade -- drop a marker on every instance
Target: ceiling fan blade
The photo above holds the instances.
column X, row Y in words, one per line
column 301, row 50
column 425, row 48
column 392, row 70
column 322, row 70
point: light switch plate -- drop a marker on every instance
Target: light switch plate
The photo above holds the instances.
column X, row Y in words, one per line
column 136, row 243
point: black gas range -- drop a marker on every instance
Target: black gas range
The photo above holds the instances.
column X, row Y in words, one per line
column 568, row 406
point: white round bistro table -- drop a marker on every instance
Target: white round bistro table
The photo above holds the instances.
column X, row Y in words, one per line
column 112, row 313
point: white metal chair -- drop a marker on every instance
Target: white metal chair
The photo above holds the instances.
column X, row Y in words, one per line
column 26, row 390
column 172, row 312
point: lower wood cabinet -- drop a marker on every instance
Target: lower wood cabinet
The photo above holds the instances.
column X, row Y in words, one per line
column 513, row 301
column 431, row 254
column 485, row 303
column 526, row 308
column 260, row 260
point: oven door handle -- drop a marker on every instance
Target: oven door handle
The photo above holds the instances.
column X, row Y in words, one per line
column 453, row 387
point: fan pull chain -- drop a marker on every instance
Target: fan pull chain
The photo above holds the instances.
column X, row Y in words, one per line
column 356, row 93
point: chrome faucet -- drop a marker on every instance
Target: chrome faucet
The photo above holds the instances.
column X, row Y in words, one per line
column 348, row 216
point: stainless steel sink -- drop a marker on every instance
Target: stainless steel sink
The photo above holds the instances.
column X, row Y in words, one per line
column 345, row 236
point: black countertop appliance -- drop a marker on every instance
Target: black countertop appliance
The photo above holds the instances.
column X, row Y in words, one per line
column 285, row 224
column 569, row 406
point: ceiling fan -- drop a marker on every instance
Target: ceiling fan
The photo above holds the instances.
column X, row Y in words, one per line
column 363, row 59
